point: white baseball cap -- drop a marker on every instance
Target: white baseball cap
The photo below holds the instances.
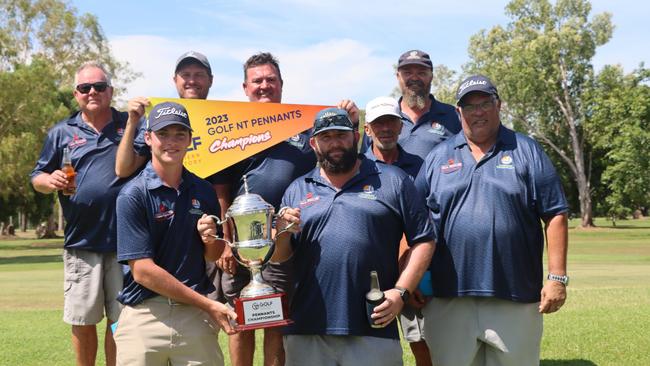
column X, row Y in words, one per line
column 381, row 106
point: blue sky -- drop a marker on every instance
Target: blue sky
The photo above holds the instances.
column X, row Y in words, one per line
column 328, row 50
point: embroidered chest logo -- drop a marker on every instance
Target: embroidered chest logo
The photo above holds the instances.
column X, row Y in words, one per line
column 164, row 213
column 505, row 162
column 368, row 192
column 451, row 166
column 76, row 141
column 295, row 140
column 309, row 200
column 196, row 207
column 437, row 128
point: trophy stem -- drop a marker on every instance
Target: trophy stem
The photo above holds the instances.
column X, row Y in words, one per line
column 256, row 287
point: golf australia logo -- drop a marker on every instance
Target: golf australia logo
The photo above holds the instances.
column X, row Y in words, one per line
column 368, row 192
column 505, row 162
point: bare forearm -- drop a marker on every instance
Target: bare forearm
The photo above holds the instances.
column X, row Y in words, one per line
column 417, row 262
column 557, row 239
column 126, row 160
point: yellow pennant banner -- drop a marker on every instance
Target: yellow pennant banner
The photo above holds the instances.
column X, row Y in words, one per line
column 228, row 132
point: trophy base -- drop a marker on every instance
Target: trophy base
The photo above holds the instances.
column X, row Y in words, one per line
column 264, row 311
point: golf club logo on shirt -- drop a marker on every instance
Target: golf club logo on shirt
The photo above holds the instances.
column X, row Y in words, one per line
column 437, row 129
column 309, row 200
column 296, row 141
column 451, row 166
column 76, row 142
column 196, row 207
column 164, row 213
column 505, row 162
column 368, row 192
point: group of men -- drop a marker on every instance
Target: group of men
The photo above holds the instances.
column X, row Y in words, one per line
column 436, row 188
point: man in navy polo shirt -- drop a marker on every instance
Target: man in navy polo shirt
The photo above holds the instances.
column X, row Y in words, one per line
column 383, row 125
column 92, row 277
column 268, row 173
column 163, row 235
column 427, row 121
column 489, row 189
column 333, row 262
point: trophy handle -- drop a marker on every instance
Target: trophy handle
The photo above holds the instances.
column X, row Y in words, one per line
column 286, row 228
column 220, row 222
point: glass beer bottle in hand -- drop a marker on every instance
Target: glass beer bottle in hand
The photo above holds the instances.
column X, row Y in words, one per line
column 70, row 174
column 374, row 297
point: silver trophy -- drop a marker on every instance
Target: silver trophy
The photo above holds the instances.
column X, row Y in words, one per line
column 250, row 221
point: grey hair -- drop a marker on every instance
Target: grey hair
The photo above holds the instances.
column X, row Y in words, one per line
column 92, row 64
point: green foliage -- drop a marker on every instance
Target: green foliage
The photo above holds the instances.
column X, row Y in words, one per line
column 620, row 130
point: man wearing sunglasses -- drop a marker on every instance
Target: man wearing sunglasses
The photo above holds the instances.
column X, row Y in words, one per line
column 92, row 276
column 489, row 189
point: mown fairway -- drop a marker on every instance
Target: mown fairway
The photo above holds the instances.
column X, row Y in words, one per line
column 604, row 322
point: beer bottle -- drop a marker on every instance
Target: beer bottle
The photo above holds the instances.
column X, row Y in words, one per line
column 70, row 174
column 374, row 297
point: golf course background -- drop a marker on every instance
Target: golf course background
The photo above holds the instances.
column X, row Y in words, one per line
column 605, row 321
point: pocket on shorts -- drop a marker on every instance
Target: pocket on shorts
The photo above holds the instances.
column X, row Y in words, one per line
column 70, row 270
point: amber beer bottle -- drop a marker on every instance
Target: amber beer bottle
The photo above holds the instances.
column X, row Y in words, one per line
column 374, row 297
column 70, row 174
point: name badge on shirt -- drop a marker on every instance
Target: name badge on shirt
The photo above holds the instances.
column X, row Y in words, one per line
column 451, row 166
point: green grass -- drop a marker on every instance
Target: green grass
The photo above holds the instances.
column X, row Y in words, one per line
column 606, row 320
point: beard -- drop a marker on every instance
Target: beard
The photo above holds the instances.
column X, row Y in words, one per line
column 332, row 165
column 416, row 94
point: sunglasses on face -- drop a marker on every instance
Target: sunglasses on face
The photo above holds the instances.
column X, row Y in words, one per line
column 85, row 87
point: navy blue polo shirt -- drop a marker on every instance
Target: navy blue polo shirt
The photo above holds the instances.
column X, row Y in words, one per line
column 407, row 162
column 270, row 171
column 488, row 216
column 344, row 235
column 421, row 136
column 158, row 222
column 90, row 212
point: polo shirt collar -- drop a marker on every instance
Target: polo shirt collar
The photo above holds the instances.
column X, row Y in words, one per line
column 371, row 155
column 505, row 137
column 366, row 168
column 153, row 181
column 436, row 108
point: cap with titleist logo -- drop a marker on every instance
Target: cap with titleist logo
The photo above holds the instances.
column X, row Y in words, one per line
column 193, row 56
column 167, row 114
column 415, row 57
column 381, row 106
column 475, row 83
column 332, row 119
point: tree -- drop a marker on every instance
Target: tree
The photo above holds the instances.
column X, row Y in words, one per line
column 541, row 62
column 620, row 126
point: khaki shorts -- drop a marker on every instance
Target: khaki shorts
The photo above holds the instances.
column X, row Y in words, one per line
column 161, row 332
column 91, row 283
column 332, row 350
column 464, row 331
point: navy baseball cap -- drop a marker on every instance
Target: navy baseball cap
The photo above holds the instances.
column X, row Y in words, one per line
column 475, row 83
column 415, row 57
column 166, row 114
column 332, row 119
column 193, row 56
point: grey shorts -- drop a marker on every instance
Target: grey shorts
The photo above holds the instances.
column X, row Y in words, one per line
column 331, row 350
column 91, row 283
column 278, row 275
column 412, row 324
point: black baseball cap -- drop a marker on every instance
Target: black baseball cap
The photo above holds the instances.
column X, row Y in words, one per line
column 193, row 56
column 166, row 114
column 475, row 83
column 415, row 57
column 332, row 119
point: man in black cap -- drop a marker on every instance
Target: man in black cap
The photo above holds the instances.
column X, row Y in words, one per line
column 489, row 189
column 333, row 263
column 193, row 79
column 427, row 121
column 165, row 237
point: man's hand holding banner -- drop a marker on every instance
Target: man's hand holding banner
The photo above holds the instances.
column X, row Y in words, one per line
column 225, row 133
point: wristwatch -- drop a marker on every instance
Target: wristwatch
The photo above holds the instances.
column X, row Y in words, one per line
column 561, row 279
column 404, row 294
